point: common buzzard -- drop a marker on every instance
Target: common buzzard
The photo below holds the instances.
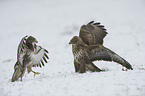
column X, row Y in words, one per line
column 88, row 47
column 28, row 55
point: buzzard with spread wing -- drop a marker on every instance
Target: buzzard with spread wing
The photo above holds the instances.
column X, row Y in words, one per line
column 88, row 47
column 28, row 55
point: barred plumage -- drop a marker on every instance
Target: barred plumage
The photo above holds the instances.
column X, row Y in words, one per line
column 28, row 55
column 88, row 47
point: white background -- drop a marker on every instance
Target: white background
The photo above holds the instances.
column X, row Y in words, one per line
column 54, row 23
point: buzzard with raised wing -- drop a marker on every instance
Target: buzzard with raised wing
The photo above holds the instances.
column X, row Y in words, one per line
column 28, row 55
column 88, row 47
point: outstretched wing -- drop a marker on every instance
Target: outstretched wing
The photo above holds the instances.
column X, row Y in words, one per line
column 39, row 57
column 101, row 53
column 21, row 47
column 92, row 33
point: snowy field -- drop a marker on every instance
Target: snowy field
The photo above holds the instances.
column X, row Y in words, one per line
column 54, row 23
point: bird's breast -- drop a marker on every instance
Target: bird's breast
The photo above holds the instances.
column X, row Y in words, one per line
column 25, row 58
column 78, row 53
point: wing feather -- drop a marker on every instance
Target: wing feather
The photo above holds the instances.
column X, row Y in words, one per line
column 38, row 56
column 40, row 66
column 46, row 55
column 21, row 47
column 116, row 58
column 46, row 51
column 102, row 53
column 92, row 33
column 42, row 63
column 44, row 59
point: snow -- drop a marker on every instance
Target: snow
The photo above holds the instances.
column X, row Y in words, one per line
column 53, row 23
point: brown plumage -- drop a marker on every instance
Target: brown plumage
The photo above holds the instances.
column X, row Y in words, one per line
column 28, row 55
column 88, row 47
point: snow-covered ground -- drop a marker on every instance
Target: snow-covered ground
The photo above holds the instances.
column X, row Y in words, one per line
column 54, row 23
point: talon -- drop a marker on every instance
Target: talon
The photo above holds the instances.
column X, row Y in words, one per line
column 36, row 73
column 124, row 69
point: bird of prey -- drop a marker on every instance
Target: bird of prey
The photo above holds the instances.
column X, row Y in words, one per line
column 88, row 47
column 28, row 55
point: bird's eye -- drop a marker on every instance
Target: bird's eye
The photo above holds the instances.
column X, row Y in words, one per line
column 75, row 40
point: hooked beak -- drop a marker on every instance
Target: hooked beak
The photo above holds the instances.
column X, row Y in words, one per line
column 36, row 41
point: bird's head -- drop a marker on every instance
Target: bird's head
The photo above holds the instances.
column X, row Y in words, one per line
column 77, row 40
column 74, row 40
column 31, row 42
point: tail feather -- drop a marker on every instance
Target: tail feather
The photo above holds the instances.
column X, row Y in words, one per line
column 17, row 73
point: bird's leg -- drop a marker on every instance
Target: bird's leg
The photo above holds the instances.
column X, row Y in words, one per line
column 82, row 68
column 21, row 79
column 77, row 66
column 35, row 73
column 22, row 73
column 93, row 68
column 29, row 69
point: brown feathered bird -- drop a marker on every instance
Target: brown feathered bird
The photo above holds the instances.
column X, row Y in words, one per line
column 88, row 47
column 28, row 55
